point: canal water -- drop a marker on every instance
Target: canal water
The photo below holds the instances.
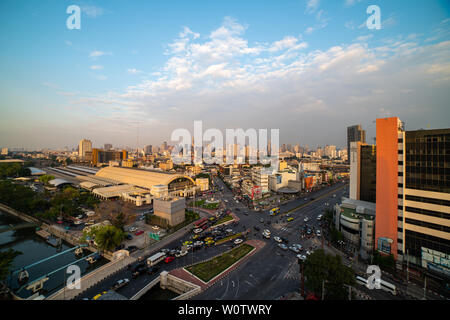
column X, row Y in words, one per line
column 34, row 248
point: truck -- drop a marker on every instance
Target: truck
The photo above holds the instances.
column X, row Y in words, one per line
column 155, row 259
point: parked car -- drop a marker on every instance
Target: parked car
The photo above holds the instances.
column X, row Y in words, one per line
column 306, row 219
column 277, row 239
column 238, row 241
column 294, row 248
column 301, row 257
column 198, row 230
column 131, row 248
column 138, row 233
column 318, row 233
column 133, row 229
column 129, row 236
column 283, row 246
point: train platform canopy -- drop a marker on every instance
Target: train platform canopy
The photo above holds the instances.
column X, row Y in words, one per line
column 59, row 182
column 88, row 185
column 36, row 171
column 117, row 191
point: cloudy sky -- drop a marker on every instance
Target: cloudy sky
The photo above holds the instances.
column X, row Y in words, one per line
column 310, row 68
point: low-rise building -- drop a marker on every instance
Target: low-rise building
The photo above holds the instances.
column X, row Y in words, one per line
column 356, row 220
column 170, row 209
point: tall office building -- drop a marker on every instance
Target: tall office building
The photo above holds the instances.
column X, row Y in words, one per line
column 148, row 149
column 107, row 146
column 413, row 196
column 355, row 133
column 84, row 146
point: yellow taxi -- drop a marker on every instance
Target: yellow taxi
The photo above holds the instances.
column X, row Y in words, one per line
column 290, row 219
column 98, row 295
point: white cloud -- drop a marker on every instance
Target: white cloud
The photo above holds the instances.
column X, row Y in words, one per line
column 134, row 71
column 312, row 5
column 92, row 11
column 96, row 67
column 225, row 80
column 96, row 53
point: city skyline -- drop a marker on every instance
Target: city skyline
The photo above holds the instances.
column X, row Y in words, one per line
column 223, row 63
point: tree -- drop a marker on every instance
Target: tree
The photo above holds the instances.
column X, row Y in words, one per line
column 46, row 178
column 119, row 221
column 107, row 237
column 327, row 270
column 6, row 260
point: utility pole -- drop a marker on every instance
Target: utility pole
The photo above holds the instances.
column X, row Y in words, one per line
column 323, row 289
column 425, row 288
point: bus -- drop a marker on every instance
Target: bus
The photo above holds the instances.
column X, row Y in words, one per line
column 274, row 211
column 154, row 259
column 386, row 286
column 200, row 223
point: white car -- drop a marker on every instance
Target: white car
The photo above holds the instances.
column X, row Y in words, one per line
column 283, row 246
column 80, row 216
column 301, row 257
column 267, row 231
column 318, row 233
column 294, row 248
column 299, row 246
column 238, row 241
column 155, row 227
column 180, row 254
column 277, row 239
column 308, row 253
column 306, row 219
column 266, row 235
column 133, row 229
column 198, row 230
column 90, row 213
column 77, row 222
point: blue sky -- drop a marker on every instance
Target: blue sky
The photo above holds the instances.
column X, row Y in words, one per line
column 309, row 68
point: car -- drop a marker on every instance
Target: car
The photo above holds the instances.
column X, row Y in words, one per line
column 155, row 227
column 120, row 283
column 169, row 259
column 229, row 231
column 299, row 246
column 319, row 217
column 308, row 252
column 318, row 233
column 209, row 238
column 277, row 239
column 283, row 246
column 246, row 213
column 152, row 270
column 90, row 213
column 290, row 219
column 284, row 240
column 129, row 236
column 173, row 252
column 238, row 241
column 187, row 242
column 76, row 222
column 138, row 233
column 301, row 257
column 294, row 248
column 198, row 243
column 267, row 231
column 198, row 230
column 131, row 248
column 180, row 253
column 306, row 219
column 80, row 216
column 209, row 242
column 334, row 195
column 308, row 231
column 99, row 295
column 261, row 220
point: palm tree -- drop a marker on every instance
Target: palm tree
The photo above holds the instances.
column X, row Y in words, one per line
column 109, row 237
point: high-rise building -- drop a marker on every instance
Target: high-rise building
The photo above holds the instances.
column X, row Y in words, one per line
column 5, row 151
column 84, row 146
column 363, row 172
column 355, row 133
column 102, row 156
column 107, row 146
column 260, row 178
column 148, row 149
column 413, row 196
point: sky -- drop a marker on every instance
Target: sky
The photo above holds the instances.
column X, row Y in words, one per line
column 137, row 70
